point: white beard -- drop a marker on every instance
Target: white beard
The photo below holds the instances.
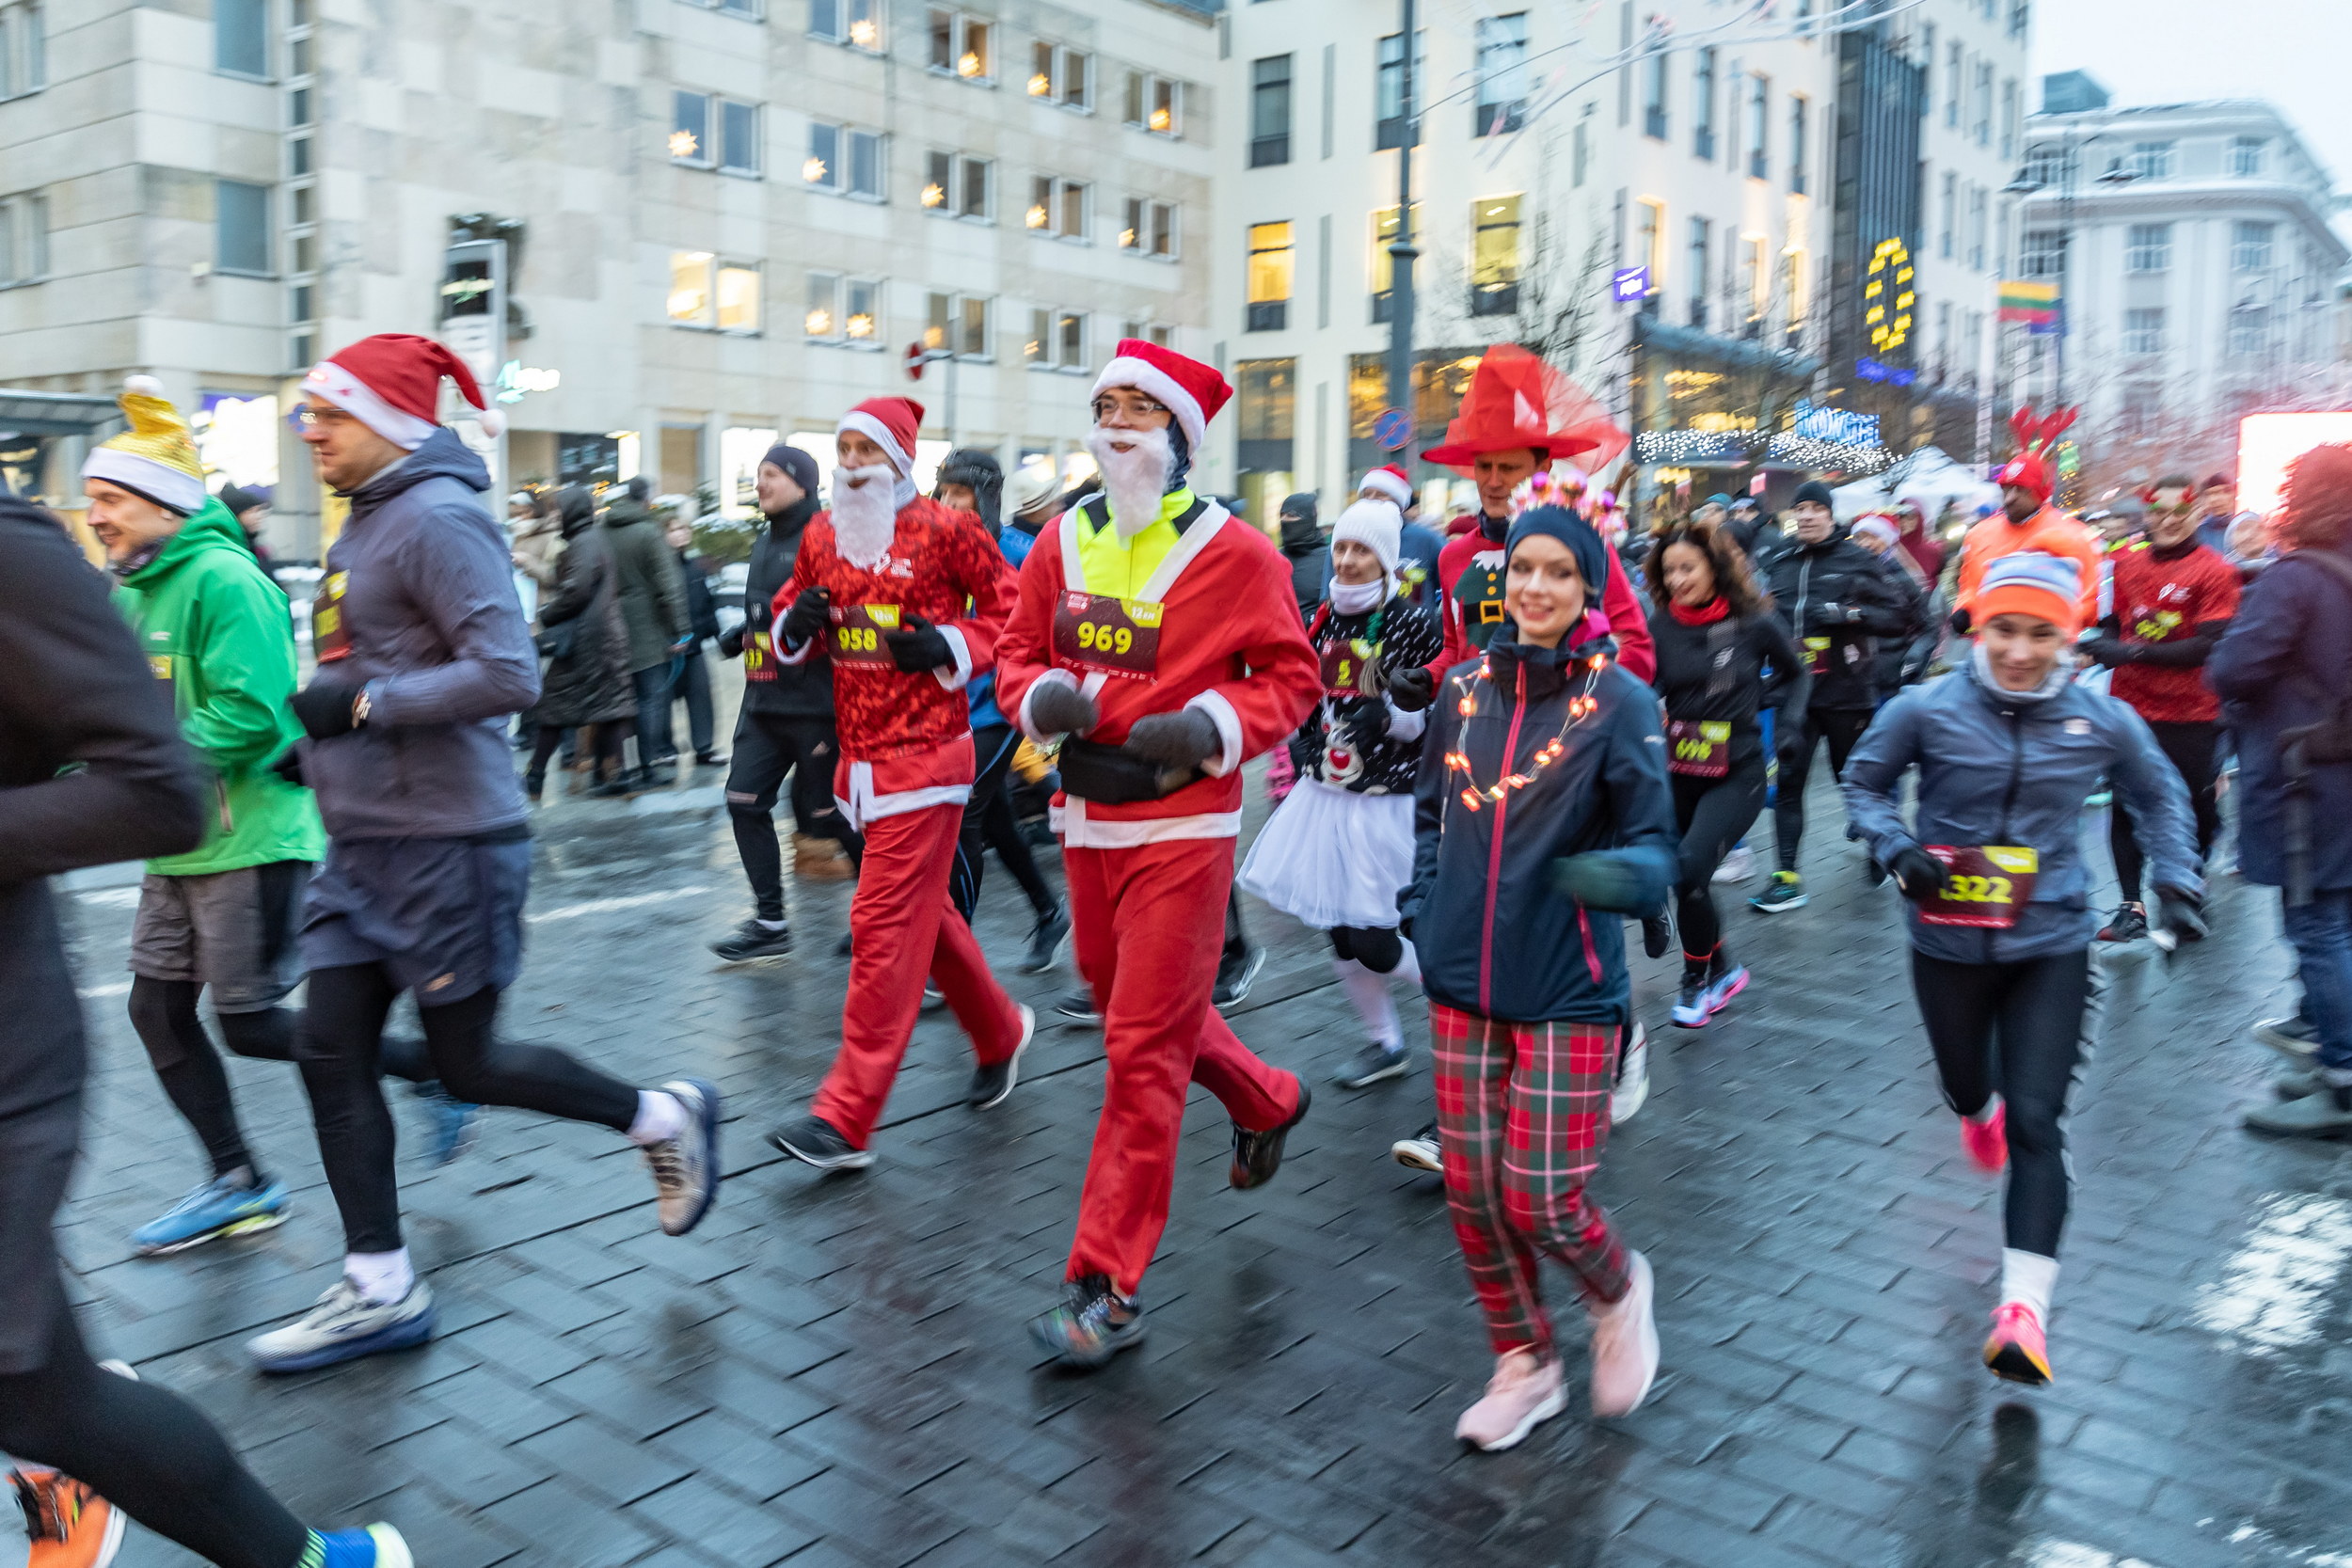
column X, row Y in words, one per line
column 864, row 515
column 1135, row 480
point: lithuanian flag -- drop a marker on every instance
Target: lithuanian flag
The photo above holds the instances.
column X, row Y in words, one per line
column 2035, row 304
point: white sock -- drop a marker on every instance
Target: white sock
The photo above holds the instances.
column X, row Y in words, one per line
column 1368, row 994
column 659, row 1118
column 1986, row 1113
column 383, row 1277
column 2029, row 1277
column 1408, row 967
column 768, row 924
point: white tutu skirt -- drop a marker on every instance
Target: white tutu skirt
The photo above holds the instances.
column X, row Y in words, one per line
column 1331, row 857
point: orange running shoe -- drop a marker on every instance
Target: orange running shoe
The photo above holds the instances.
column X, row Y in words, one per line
column 2016, row 1351
column 71, row 1526
column 1987, row 1141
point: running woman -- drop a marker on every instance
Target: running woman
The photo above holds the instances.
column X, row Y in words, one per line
column 1723, row 658
column 2007, row 749
column 1542, row 812
column 1340, row 848
column 423, row 657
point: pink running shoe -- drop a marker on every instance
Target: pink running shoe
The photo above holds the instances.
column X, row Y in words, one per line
column 1523, row 1392
column 2017, row 1353
column 1987, row 1141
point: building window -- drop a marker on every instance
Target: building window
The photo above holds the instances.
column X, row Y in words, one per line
column 1272, row 264
column 2045, row 167
column 963, row 46
column 1580, row 155
column 1799, row 145
column 1983, row 122
column 739, row 137
column 24, row 50
column 1654, row 96
column 2043, row 253
column 1979, row 221
column 1164, row 336
column 1947, row 215
column 1502, row 75
column 1270, row 111
column 241, row 227
column 2250, row 246
column 1057, row 208
column 2143, row 330
column 1702, row 246
column 958, row 324
column 1264, row 414
column 2152, row 160
column 1389, row 87
column 1793, row 284
column 714, row 132
column 1056, row 340
column 709, row 294
column 823, row 318
column 1703, row 105
column 241, row 38
column 739, row 296
column 1495, row 256
column 844, row 160
column 1760, row 126
column 1755, row 281
column 690, row 129
column 2149, row 248
column 1060, row 75
column 24, row 239
column 1150, row 229
column 1649, row 238
column 2009, row 121
column 2020, row 17
column 855, row 23
column 1383, row 236
column 957, row 184
column 1955, row 76
column 2249, row 330
column 1155, row 104
column 2248, row 156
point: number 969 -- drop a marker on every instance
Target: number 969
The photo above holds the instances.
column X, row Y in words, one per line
column 1105, row 640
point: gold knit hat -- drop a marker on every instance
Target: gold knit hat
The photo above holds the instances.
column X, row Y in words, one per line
column 156, row 457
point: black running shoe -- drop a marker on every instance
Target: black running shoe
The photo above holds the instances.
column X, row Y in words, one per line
column 1421, row 1152
column 2129, row 924
column 1078, row 1007
column 1045, row 939
column 1258, row 1155
column 751, row 940
column 815, row 1141
column 1093, row 1324
column 1656, row 935
column 841, row 948
column 1235, row 975
column 1375, row 1063
column 991, row 1083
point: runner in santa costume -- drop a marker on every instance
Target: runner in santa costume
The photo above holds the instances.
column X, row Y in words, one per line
column 909, row 596
column 1517, row 418
column 1158, row 634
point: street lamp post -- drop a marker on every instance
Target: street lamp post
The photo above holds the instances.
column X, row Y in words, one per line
column 1402, row 252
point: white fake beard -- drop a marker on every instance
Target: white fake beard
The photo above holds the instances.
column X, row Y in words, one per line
column 864, row 515
column 1135, row 480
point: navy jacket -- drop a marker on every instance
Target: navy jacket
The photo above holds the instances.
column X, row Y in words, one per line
column 1993, row 771
column 2287, row 660
column 1493, row 935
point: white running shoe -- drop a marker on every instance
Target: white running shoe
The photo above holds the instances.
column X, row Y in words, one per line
column 1633, row 1088
column 1738, row 866
column 1420, row 1152
column 344, row 1326
column 1522, row 1393
column 1625, row 1346
column 686, row 1168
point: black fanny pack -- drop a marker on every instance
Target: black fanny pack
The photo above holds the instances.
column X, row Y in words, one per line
column 1114, row 776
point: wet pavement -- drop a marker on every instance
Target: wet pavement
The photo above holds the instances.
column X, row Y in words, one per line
column 833, row 1372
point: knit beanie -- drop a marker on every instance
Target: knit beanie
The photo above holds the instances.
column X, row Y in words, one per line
column 1558, row 522
column 1813, row 490
column 2046, row 587
column 154, row 459
column 1376, row 524
column 793, row 461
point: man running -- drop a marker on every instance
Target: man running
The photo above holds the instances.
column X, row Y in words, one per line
column 1157, row 637
column 422, row 657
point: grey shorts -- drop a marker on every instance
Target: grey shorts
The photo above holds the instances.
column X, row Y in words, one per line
column 236, row 932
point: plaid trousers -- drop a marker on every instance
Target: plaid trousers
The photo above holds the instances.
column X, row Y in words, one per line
column 1522, row 1113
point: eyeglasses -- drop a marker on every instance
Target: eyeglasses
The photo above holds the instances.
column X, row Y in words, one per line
column 304, row 416
column 1136, row 407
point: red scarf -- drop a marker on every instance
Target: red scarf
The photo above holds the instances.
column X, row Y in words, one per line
column 1707, row 614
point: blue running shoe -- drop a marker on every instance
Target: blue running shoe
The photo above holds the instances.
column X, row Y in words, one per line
column 455, row 1123
column 376, row 1546
column 343, row 1327
column 686, row 1168
column 218, row 1208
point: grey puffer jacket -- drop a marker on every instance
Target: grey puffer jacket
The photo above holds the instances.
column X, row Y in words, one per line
column 438, row 635
column 1996, row 770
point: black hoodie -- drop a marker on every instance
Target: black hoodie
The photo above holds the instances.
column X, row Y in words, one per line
column 802, row 690
column 1308, row 554
column 1836, row 600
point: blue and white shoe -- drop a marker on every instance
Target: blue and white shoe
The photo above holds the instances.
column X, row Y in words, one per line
column 1730, row 983
column 218, row 1208
column 344, row 1326
column 376, row 1546
column 686, row 1168
column 455, row 1123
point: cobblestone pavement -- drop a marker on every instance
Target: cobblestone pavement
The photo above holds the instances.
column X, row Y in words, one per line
column 833, row 1372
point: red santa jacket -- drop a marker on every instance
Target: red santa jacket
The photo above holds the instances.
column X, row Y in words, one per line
column 1229, row 643
column 1620, row 613
column 906, row 739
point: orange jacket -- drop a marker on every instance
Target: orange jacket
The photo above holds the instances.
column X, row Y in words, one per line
column 2049, row 530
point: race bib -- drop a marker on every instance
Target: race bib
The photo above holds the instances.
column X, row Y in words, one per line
column 759, row 657
column 1105, row 633
column 330, row 640
column 857, row 633
column 1347, row 668
column 1698, row 747
column 1817, row 655
column 1989, row 887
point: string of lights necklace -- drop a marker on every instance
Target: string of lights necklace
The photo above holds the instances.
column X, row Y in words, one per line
column 1580, row 708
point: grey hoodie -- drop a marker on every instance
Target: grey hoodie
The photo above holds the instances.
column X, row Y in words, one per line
column 439, row 636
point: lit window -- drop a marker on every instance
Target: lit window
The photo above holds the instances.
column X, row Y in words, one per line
column 961, row 45
column 844, row 160
column 1155, row 104
column 690, row 129
column 861, row 310
column 1495, row 256
column 1033, row 348
column 738, row 297
column 856, row 22
column 823, row 318
column 690, row 286
column 1070, row 329
column 1272, row 267
column 957, row 323
column 1384, row 236
column 1056, row 207
column 955, row 185
column 1150, row 229
column 822, row 166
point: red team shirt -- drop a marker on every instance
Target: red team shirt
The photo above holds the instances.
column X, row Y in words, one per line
column 2156, row 600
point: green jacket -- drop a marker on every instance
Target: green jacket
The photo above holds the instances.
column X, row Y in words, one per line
column 215, row 629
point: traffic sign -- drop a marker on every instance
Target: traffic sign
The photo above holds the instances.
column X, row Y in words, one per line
column 917, row 356
column 1392, row 430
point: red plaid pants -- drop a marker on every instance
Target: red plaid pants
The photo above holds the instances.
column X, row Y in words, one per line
column 1522, row 1113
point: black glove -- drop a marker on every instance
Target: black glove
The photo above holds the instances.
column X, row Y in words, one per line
column 918, row 646
column 1830, row 614
column 1919, row 874
column 1366, row 717
column 731, row 642
column 1601, row 881
column 2108, row 651
column 1961, row 622
column 1185, row 739
column 2184, row 914
column 1056, row 708
column 325, row 706
column 810, row 614
column 1413, row 689
column 289, row 766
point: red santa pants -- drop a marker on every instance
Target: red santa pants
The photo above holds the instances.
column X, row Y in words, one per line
column 901, row 927
column 1149, row 924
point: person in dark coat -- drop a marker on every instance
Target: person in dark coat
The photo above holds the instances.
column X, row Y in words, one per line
column 653, row 606
column 588, row 683
column 693, row 686
column 1307, row 552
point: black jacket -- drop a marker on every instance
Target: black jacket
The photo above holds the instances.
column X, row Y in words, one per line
column 802, row 690
column 1718, row 672
column 1326, row 746
column 1836, row 600
column 702, row 610
column 78, row 691
column 1310, row 555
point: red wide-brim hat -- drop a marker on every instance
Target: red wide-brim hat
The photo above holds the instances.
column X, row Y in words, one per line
column 1516, row 400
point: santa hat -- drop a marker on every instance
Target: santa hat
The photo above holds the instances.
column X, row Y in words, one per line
column 1390, row 480
column 1193, row 391
column 891, row 424
column 1877, row 526
column 156, row 457
column 2046, row 587
column 1376, row 526
column 1509, row 405
column 2027, row 472
column 392, row 383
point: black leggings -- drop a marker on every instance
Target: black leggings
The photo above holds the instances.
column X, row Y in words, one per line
column 340, row 1058
column 988, row 824
column 1841, row 727
column 164, row 1014
column 1378, row 948
column 768, row 748
column 2020, row 1029
column 605, row 741
column 2194, row 750
column 147, row 1452
column 1713, row 815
